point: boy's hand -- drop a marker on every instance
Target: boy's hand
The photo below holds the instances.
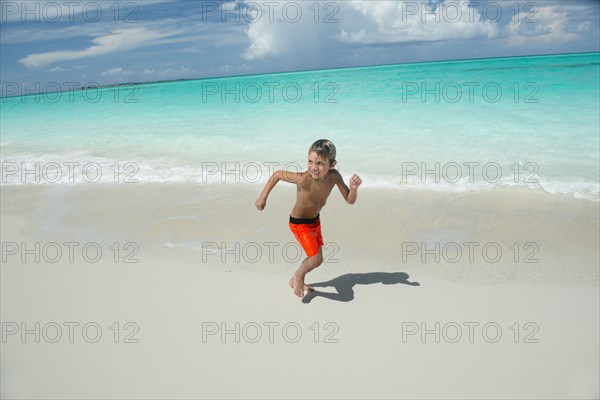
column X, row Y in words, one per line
column 355, row 182
column 261, row 203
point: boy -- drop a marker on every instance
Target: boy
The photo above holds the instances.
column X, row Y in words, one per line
column 313, row 187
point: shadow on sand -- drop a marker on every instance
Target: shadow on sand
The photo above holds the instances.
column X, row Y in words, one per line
column 344, row 284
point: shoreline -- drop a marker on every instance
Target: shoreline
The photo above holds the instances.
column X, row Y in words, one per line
column 492, row 237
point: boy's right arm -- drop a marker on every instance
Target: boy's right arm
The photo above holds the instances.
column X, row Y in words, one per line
column 277, row 176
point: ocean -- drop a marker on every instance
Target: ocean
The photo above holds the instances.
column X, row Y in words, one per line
column 454, row 126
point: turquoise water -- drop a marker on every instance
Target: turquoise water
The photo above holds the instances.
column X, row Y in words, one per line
column 448, row 126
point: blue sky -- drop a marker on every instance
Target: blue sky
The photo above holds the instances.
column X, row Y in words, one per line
column 108, row 42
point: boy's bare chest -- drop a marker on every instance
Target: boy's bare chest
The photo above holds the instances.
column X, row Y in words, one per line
column 315, row 191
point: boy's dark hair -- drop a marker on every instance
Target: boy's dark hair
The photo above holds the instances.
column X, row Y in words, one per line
column 325, row 148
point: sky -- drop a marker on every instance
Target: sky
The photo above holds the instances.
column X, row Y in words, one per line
column 47, row 44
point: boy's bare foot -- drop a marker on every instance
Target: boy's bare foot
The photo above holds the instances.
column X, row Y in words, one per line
column 306, row 288
column 298, row 285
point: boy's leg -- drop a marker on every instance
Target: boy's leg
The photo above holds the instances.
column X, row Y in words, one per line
column 307, row 265
column 310, row 238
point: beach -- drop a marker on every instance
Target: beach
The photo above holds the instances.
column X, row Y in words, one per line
column 135, row 263
column 180, row 290
column 299, row 199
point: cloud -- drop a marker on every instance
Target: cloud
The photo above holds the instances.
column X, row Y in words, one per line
column 389, row 22
column 52, row 11
column 547, row 25
column 362, row 23
column 119, row 73
column 118, row 41
column 244, row 67
column 292, row 35
column 115, row 72
column 25, row 33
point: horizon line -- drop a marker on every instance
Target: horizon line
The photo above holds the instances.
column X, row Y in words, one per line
column 300, row 71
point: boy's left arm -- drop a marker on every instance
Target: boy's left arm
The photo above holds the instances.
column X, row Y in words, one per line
column 349, row 194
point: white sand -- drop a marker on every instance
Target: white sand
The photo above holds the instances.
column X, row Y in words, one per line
column 364, row 346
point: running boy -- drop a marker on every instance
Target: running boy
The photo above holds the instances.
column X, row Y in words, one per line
column 313, row 188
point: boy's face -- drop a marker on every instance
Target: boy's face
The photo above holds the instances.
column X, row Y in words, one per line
column 318, row 166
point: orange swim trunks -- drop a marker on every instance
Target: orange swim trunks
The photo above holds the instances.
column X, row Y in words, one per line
column 308, row 233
